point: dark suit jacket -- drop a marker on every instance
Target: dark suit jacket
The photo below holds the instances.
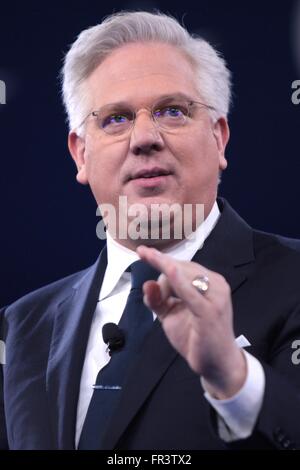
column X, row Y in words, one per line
column 162, row 406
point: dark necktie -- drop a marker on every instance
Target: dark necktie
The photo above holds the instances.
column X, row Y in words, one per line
column 135, row 322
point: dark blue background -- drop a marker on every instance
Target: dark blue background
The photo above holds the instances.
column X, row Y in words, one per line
column 48, row 221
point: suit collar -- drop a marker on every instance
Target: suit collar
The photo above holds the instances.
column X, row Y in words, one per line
column 231, row 241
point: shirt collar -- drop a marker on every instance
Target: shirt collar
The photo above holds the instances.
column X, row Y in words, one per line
column 185, row 249
column 119, row 258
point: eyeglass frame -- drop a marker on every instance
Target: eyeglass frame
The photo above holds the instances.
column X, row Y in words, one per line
column 161, row 101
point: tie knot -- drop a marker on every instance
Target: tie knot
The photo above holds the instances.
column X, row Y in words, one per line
column 142, row 272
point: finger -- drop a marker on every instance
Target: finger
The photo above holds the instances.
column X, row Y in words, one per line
column 157, row 292
column 165, row 287
column 152, row 294
column 180, row 276
column 170, row 307
column 178, row 282
column 198, row 303
column 157, row 300
column 161, row 261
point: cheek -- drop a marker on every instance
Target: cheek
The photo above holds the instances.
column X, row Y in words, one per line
column 197, row 153
column 99, row 158
column 199, row 162
column 103, row 166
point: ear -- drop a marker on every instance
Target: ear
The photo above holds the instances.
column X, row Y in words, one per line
column 76, row 146
column 221, row 133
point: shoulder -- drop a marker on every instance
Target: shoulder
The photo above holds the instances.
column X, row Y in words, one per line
column 30, row 319
column 264, row 243
column 54, row 291
column 277, row 264
column 39, row 305
column 268, row 243
column 289, row 242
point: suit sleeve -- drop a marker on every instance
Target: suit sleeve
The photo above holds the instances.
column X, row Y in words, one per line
column 277, row 426
column 3, row 434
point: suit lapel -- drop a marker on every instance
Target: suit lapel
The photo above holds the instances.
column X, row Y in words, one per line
column 69, row 339
column 229, row 248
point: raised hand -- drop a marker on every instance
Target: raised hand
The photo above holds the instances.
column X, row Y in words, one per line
column 199, row 326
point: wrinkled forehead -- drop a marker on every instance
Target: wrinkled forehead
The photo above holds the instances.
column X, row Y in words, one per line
column 140, row 73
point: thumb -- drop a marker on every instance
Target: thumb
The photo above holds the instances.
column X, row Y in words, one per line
column 152, row 294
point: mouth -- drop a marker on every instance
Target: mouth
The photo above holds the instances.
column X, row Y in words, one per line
column 155, row 173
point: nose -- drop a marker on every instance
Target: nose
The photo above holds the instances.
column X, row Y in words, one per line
column 145, row 136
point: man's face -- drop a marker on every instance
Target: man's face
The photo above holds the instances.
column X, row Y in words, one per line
column 188, row 160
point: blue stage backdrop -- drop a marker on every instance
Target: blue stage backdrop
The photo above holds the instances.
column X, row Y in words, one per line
column 48, row 221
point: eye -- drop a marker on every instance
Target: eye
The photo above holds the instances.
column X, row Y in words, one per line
column 115, row 119
column 173, row 111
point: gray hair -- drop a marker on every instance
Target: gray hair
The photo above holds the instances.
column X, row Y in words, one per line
column 94, row 44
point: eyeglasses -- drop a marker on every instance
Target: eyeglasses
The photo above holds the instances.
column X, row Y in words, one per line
column 169, row 114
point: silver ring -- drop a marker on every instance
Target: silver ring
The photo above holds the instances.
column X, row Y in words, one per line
column 201, row 283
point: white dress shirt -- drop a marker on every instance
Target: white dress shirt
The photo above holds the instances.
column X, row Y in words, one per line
column 237, row 416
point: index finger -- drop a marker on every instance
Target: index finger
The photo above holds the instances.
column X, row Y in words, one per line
column 160, row 261
column 177, row 276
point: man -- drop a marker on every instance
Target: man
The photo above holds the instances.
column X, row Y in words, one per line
column 147, row 107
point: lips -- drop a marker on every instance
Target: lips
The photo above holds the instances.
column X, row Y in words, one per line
column 149, row 173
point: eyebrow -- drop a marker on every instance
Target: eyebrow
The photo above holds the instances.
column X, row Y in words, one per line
column 161, row 98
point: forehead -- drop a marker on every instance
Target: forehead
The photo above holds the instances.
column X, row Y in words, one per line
column 141, row 73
